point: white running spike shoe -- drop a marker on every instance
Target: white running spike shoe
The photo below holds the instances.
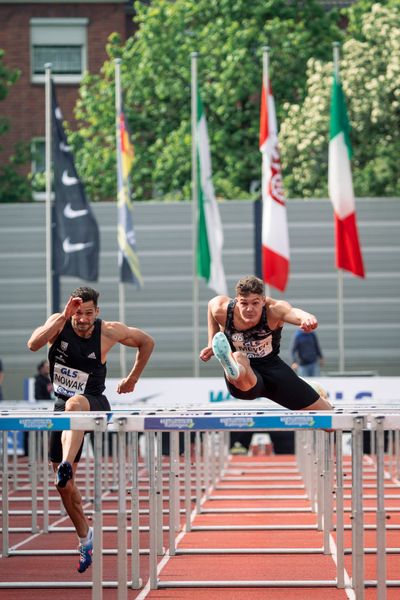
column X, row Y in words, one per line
column 223, row 352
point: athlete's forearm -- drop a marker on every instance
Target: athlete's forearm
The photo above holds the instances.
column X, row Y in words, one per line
column 43, row 334
column 212, row 326
column 301, row 318
column 142, row 358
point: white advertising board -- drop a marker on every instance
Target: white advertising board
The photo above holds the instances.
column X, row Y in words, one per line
column 189, row 391
column 181, row 392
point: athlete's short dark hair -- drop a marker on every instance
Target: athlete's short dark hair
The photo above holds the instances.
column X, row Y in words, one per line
column 249, row 285
column 87, row 294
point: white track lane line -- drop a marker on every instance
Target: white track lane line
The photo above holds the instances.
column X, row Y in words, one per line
column 145, row 591
column 347, row 580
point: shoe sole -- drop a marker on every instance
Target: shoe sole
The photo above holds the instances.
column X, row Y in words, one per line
column 223, row 353
column 82, row 570
column 62, row 479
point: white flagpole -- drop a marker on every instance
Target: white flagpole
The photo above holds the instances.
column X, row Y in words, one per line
column 196, row 349
column 48, row 143
column 121, row 286
column 266, row 49
column 339, row 271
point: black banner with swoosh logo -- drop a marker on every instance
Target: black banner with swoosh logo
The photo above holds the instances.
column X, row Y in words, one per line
column 76, row 233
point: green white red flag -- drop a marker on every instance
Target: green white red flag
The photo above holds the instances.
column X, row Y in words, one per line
column 348, row 250
column 210, row 237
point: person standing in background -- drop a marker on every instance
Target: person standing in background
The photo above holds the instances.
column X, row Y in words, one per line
column 43, row 385
column 306, row 354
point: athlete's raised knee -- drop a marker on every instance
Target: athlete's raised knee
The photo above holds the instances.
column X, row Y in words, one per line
column 77, row 403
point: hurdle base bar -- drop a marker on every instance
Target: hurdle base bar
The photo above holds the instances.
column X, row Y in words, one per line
column 254, row 527
column 250, row 583
column 61, row 584
column 105, row 552
column 389, row 583
column 250, row 551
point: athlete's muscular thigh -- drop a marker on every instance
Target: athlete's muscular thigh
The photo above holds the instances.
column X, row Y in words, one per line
column 77, row 402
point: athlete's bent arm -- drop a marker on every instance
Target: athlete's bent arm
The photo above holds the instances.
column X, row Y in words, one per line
column 133, row 338
column 283, row 312
column 47, row 333
column 215, row 308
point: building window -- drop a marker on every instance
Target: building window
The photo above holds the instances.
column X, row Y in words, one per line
column 38, row 168
column 61, row 42
column 38, row 150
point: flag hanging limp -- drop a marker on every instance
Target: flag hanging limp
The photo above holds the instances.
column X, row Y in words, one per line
column 209, row 231
column 128, row 261
column 275, row 237
column 76, row 233
column 348, row 250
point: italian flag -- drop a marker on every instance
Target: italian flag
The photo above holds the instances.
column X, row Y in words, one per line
column 274, row 237
column 209, row 227
column 348, row 251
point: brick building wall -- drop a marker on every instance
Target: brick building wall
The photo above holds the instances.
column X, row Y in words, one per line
column 24, row 106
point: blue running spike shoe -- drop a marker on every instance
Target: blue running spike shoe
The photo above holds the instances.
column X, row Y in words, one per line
column 223, row 352
column 85, row 554
column 64, row 474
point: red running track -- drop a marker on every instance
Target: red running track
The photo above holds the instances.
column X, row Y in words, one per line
column 290, row 523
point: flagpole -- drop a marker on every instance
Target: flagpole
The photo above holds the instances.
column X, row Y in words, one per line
column 265, row 49
column 339, row 271
column 121, row 286
column 48, row 143
column 196, row 349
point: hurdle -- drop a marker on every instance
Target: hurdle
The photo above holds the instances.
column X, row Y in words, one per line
column 35, row 423
column 316, row 424
column 319, row 457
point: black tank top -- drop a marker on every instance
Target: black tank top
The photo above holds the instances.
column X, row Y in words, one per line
column 75, row 363
column 258, row 342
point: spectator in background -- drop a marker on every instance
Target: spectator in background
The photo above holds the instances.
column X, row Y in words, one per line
column 1, row 379
column 43, row 385
column 306, row 354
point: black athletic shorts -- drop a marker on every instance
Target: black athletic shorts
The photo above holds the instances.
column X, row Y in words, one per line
column 97, row 403
column 278, row 382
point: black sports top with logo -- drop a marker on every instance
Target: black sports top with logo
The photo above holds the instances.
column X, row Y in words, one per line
column 275, row 379
column 75, row 363
column 258, row 342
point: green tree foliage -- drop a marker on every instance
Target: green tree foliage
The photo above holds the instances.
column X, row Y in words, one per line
column 13, row 186
column 370, row 73
column 229, row 35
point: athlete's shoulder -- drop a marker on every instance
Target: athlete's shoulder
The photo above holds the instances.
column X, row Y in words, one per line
column 219, row 301
column 112, row 329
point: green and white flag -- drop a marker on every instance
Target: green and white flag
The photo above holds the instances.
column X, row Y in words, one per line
column 340, row 184
column 209, row 227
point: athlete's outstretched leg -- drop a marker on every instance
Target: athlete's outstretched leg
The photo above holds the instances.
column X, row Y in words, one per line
column 236, row 365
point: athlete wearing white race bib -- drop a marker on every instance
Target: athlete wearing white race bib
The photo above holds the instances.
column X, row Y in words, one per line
column 244, row 334
column 79, row 343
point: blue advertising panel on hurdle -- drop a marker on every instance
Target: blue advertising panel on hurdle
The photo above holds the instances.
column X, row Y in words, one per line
column 34, row 423
column 228, row 422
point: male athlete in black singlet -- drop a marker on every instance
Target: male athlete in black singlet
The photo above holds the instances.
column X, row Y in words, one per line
column 244, row 334
column 79, row 343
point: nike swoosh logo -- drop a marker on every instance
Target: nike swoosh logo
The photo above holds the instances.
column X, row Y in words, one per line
column 69, row 247
column 67, row 180
column 64, row 147
column 70, row 213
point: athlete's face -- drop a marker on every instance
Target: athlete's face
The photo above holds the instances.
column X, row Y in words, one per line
column 84, row 318
column 250, row 307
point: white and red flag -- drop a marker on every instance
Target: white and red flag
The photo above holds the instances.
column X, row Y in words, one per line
column 275, row 237
column 348, row 250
